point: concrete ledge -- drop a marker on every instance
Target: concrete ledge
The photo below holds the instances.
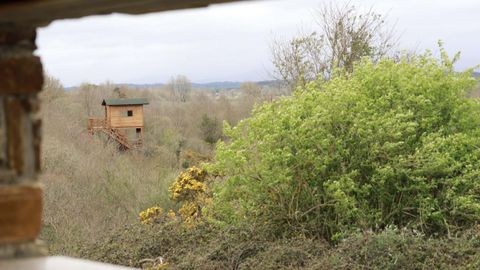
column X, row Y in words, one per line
column 57, row 263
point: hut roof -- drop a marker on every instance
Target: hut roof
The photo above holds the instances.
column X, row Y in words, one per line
column 124, row 101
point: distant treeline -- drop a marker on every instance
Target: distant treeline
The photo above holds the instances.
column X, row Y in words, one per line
column 225, row 85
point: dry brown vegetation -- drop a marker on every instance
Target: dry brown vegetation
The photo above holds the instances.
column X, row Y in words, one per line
column 476, row 92
column 247, row 247
column 91, row 188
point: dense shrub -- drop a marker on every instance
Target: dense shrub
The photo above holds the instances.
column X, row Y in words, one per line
column 393, row 143
column 211, row 247
column 202, row 247
column 402, row 249
column 211, row 129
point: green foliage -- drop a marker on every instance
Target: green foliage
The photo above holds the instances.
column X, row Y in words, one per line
column 393, row 143
column 211, row 129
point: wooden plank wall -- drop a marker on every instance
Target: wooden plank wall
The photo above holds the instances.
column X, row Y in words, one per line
column 116, row 116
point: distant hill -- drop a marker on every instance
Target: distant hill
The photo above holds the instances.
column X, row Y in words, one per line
column 210, row 85
column 229, row 85
column 217, row 85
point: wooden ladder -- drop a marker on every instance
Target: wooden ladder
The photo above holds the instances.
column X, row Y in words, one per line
column 118, row 136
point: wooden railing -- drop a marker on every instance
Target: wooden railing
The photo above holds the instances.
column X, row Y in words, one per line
column 100, row 125
column 96, row 123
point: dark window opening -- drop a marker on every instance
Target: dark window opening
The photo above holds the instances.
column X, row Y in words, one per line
column 129, row 113
column 139, row 130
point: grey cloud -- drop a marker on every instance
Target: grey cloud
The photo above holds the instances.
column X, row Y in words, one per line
column 228, row 42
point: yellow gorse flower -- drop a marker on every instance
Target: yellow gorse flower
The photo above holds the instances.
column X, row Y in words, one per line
column 171, row 215
column 149, row 215
column 189, row 184
column 191, row 190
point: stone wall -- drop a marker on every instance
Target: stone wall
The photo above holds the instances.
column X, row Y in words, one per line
column 21, row 78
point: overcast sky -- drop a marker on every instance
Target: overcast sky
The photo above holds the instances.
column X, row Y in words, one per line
column 230, row 42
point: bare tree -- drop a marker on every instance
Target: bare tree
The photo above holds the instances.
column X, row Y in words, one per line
column 180, row 88
column 351, row 35
column 345, row 36
column 120, row 93
column 298, row 60
column 251, row 91
column 87, row 93
column 52, row 89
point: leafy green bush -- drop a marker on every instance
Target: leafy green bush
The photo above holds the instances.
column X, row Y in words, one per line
column 393, row 143
column 211, row 129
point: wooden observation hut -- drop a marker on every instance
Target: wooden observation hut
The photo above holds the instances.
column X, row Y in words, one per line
column 123, row 121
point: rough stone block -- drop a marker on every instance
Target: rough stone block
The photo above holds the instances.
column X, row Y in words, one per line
column 14, row 114
column 20, row 75
column 37, row 143
column 11, row 34
column 23, row 133
column 20, row 213
column 7, row 177
column 3, row 137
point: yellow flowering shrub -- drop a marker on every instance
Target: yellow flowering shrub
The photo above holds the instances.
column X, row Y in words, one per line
column 171, row 215
column 190, row 189
column 190, row 212
column 151, row 215
column 189, row 184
